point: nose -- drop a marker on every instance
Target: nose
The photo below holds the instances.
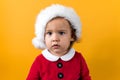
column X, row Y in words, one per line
column 55, row 38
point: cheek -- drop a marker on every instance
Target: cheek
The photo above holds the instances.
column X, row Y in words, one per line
column 66, row 40
column 48, row 39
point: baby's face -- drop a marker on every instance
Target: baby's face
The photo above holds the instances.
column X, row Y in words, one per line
column 58, row 36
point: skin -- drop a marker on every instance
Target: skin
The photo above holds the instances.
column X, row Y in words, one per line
column 58, row 36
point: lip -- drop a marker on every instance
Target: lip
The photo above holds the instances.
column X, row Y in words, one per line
column 55, row 46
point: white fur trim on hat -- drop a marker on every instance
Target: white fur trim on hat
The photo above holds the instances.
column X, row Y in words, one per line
column 49, row 13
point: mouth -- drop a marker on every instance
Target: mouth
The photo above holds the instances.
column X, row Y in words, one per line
column 55, row 46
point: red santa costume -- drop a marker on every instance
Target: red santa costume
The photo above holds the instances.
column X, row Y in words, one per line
column 70, row 66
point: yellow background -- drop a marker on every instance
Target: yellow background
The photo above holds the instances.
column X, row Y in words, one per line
column 100, row 44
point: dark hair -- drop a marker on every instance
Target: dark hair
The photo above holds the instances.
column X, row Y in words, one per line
column 73, row 35
column 73, row 31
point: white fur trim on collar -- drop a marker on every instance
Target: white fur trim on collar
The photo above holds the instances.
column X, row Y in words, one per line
column 52, row 57
column 49, row 13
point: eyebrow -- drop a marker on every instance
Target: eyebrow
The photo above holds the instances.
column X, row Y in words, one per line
column 62, row 30
column 57, row 30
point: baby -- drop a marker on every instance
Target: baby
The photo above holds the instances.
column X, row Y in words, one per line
column 57, row 28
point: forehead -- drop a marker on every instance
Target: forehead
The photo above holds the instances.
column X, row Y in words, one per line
column 58, row 23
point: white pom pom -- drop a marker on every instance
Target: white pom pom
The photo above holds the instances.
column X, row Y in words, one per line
column 38, row 43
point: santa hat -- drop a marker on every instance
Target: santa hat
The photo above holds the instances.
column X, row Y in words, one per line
column 49, row 13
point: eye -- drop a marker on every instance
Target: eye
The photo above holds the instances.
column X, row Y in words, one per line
column 49, row 33
column 61, row 33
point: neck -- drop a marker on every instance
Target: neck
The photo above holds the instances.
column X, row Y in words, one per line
column 58, row 54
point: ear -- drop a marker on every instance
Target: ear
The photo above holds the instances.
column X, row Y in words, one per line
column 72, row 39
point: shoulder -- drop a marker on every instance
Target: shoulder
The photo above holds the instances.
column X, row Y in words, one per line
column 79, row 56
column 39, row 57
